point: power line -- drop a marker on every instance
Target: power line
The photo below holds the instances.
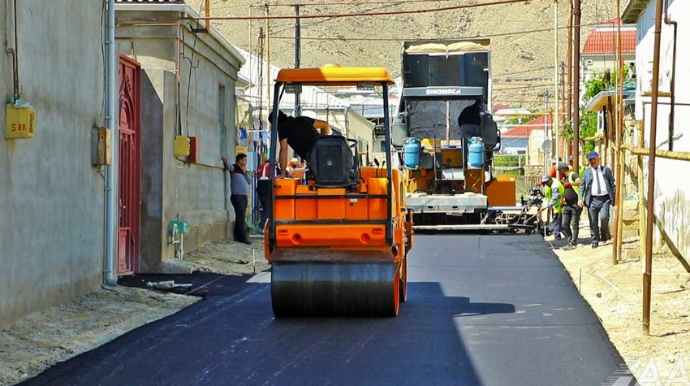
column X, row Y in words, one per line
column 362, row 2
column 426, row 39
column 522, row 71
column 353, row 14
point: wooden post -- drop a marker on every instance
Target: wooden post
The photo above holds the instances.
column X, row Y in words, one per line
column 641, row 203
column 207, row 9
column 620, row 171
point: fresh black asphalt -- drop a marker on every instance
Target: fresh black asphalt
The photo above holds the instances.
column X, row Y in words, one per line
column 481, row 310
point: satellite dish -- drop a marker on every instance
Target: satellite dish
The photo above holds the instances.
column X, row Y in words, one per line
column 546, row 146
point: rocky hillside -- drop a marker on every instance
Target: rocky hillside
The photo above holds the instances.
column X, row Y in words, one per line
column 521, row 35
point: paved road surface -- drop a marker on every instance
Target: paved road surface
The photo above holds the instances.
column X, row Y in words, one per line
column 482, row 310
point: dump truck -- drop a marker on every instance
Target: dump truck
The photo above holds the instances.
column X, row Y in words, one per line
column 445, row 138
column 339, row 234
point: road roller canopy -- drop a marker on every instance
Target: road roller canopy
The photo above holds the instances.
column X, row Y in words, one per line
column 335, row 75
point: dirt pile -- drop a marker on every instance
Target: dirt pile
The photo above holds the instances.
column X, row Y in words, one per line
column 41, row 340
column 228, row 257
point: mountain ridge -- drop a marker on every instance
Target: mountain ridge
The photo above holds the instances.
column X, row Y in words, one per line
column 522, row 37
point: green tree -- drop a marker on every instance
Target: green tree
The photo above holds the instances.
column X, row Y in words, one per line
column 588, row 119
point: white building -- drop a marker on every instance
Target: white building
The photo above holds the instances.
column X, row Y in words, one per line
column 315, row 102
column 600, row 50
column 672, row 197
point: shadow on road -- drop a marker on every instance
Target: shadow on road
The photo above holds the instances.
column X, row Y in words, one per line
column 235, row 340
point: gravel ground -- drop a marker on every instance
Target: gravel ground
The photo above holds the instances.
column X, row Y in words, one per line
column 43, row 339
column 615, row 294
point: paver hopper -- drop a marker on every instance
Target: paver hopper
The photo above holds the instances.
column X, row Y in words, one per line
column 338, row 239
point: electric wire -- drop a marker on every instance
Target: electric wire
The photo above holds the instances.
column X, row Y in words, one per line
column 427, row 39
column 360, row 14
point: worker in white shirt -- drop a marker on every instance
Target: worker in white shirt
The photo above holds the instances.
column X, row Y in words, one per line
column 598, row 194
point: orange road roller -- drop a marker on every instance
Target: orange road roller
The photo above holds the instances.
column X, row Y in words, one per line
column 339, row 232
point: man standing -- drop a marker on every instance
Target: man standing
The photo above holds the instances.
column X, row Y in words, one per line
column 571, row 210
column 597, row 193
column 554, row 192
column 239, row 185
column 264, row 188
column 472, row 115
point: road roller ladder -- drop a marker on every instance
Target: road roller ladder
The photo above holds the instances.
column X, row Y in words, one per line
column 338, row 239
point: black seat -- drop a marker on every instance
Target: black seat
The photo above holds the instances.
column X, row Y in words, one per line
column 332, row 162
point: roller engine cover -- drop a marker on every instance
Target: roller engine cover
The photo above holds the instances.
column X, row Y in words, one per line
column 332, row 162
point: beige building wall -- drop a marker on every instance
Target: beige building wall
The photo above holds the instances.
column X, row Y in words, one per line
column 191, row 95
column 52, row 218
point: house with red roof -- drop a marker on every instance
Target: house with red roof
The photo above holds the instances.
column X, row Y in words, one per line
column 600, row 50
column 527, row 139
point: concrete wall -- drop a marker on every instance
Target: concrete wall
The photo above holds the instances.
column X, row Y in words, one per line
column 51, row 198
column 535, row 155
column 197, row 193
column 672, row 201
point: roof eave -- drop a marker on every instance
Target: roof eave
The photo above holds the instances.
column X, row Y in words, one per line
column 186, row 9
column 634, row 10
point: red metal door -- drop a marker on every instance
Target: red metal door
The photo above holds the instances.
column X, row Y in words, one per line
column 129, row 165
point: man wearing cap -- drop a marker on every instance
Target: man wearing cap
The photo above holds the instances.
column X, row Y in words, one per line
column 597, row 193
column 570, row 218
column 554, row 196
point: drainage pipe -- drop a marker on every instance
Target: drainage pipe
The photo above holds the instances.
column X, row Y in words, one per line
column 15, row 46
column 111, row 214
column 671, row 116
column 647, row 276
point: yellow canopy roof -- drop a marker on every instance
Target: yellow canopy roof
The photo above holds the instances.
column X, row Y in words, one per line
column 335, row 74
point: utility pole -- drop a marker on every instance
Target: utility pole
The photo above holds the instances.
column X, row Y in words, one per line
column 267, row 76
column 298, row 109
column 569, row 66
column 651, row 182
column 556, row 115
column 568, row 102
column 207, row 9
column 563, row 90
column 545, row 95
column 576, row 85
column 621, row 155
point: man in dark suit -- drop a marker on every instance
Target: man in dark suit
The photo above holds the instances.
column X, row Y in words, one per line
column 598, row 194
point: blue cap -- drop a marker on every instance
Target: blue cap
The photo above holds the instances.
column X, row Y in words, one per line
column 592, row 154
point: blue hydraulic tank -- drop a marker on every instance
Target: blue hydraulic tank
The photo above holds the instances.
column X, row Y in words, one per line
column 475, row 154
column 411, row 152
